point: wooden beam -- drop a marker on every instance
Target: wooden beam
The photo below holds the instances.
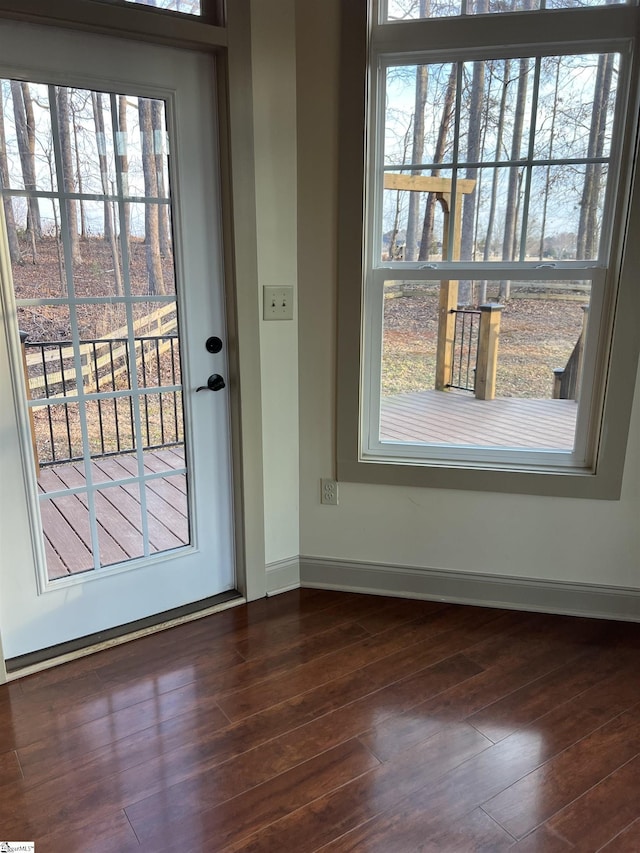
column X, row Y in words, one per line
column 426, row 183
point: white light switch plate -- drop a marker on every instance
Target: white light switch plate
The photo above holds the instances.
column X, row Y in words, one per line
column 278, row 302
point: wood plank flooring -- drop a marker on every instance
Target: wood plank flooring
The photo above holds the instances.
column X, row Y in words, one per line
column 456, row 417
column 65, row 520
column 318, row 720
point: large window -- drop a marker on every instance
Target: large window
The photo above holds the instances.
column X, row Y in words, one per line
column 186, row 7
column 408, row 10
column 496, row 186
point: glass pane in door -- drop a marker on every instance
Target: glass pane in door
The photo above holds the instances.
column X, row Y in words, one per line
column 86, row 193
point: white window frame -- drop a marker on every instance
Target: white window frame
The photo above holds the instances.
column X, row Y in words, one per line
column 594, row 468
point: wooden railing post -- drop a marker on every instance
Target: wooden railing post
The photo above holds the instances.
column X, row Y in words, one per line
column 583, row 340
column 487, row 364
column 447, row 306
column 448, row 303
column 558, row 373
column 27, row 387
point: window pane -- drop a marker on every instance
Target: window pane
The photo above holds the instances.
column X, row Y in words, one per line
column 74, row 164
column 527, row 167
column 414, row 216
column 428, row 92
column 187, row 7
column 434, row 385
column 26, row 146
column 413, row 10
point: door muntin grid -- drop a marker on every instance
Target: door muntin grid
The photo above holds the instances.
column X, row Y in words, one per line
column 106, row 380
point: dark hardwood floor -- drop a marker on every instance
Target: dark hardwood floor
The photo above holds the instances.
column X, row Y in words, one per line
column 336, row 722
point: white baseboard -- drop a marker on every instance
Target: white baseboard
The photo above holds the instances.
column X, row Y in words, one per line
column 283, row 575
column 571, row 599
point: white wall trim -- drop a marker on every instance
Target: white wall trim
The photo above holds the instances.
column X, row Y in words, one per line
column 283, row 575
column 531, row 594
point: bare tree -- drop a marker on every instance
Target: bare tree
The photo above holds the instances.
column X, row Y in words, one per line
column 445, row 123
column 12, row 233
column 64, row 128
column 157, row 115
column 587, row 243
column 547, row 180
column 109, row 225
column 473, row 155
column 124, row 162
column 73, row 107
column 26, row 152
column 417, row 153
column 151, row 219
column 393, row 237
column 509, row 241
column 499, row 137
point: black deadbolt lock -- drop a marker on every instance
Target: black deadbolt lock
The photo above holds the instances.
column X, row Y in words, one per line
column 213, row 344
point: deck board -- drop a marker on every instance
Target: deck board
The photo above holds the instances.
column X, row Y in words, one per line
column 76, row 512
column 65, row 519
column 457, row 418
column 161, row 517
column 61, row 536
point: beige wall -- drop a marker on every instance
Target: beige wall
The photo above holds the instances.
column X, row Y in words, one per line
column 274, row 93
column 530, row 537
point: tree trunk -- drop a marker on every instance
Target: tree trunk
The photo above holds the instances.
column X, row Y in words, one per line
column 64, row 129
column 417, row 153
column 12, row 233
column 593, row 227
column 393, row 254
column 121, row 148
column 393, row 240
column 429, row 213
column 74, row 123
column 587, row 187
column 547, row 182
column 481, row 296
column 496, row 174
column 587, row 242
column 109, row 226
column 157, row 113
column 151, row 220
column 27, row 161
column 509, row 243
column 473, row 154
column 98, row 121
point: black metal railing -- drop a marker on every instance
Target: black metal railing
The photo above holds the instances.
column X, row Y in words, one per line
column 466, row 341
column 106, row 366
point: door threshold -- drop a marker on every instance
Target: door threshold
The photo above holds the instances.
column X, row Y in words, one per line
column 91, row 643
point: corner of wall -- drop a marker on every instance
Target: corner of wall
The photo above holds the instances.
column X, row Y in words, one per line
column 274, row 84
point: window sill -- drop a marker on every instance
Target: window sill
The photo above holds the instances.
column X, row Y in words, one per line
column 563, row 483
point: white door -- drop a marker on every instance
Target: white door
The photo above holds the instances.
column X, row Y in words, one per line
column 115, row 472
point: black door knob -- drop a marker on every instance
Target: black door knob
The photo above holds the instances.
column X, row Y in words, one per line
column 213, row 344
column 214, row 383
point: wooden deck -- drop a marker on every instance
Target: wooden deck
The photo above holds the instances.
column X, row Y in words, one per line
column 424, row 416
column 456, row 417
column 65, row 520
